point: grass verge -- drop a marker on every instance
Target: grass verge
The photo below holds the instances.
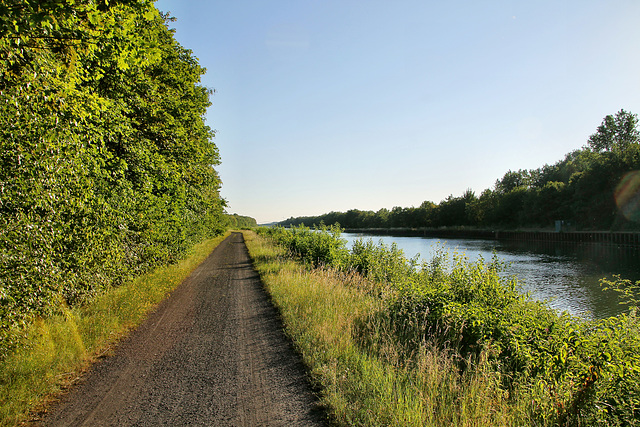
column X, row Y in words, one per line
column 59, row 348
column 333, row 319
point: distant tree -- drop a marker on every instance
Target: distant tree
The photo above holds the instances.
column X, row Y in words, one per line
column 616, row 132
column 512, row 180
column 352, row 219
column 427, row 204
column 367, row 219
column 397, row 217
column 426, row 213
column 546, row 204
column 382, row 218
column 452, row 211
column 509, row 209
column 240, row 221
column 481, row 211
column 580, row 188
column 469, row 198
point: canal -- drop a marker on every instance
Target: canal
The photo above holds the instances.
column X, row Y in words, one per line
column 566, row 275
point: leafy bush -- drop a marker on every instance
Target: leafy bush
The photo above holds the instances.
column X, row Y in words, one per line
column 106, row 161
column 317, row 247
column 563, row 370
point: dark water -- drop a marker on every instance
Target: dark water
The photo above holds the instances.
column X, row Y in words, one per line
column 565, row 275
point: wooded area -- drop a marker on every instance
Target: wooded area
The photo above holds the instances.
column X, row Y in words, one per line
column 107, row 165
column 596, row 187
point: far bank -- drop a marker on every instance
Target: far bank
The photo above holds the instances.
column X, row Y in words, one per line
column 631, row 239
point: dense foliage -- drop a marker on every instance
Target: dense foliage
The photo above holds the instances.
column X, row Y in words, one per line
column 562, row 370
column 236, row 221
column 106, row 161
column 596, row 187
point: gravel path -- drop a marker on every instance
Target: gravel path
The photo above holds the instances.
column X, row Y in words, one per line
column 213, row 354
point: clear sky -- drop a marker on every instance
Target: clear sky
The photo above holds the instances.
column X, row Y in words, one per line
column 329, row 105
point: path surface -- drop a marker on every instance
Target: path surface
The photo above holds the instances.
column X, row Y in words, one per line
column 212, row 354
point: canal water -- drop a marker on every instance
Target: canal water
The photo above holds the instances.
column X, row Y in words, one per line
column 566, row 275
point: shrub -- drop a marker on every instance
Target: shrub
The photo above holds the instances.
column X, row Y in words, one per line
column 563, row 370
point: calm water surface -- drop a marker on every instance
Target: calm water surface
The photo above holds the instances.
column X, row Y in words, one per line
column 565, row 275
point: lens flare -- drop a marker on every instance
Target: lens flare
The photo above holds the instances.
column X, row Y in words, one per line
column 628, row 196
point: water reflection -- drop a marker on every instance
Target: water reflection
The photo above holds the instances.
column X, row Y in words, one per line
column 566, row 275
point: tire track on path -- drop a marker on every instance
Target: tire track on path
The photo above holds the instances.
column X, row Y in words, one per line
column 213, row 353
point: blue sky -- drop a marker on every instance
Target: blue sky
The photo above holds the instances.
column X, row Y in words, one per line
column 331, row 105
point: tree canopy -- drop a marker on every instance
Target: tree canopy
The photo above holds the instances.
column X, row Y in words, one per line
column 617, row 132
column 595, row 187
column 107, row 164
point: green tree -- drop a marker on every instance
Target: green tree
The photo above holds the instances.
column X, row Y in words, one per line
column 382, row 218
column 616, row 132
column 481, row 211
column 549, row 204
column 512, row 180
column 240, row 221
column 593, row 187
column 106, row 161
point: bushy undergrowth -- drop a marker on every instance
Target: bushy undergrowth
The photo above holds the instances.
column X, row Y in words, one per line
column 553, row 368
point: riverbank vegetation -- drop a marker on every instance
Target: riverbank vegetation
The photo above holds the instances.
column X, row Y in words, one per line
column 444, row 342
column 592, row 188
column 106, row 160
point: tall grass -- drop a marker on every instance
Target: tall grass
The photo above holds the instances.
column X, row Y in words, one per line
column 326, row 312
column 56, row 350
column 448, row 342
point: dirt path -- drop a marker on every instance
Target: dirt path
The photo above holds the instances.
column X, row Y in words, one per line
column 212, row 354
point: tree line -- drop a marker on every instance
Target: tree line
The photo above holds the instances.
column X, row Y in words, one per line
column 107, row 164
column 236, row 221
column 596, row 187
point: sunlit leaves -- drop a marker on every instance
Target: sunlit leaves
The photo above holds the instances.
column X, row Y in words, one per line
column 559, row 369
column 616, row 133
column 105, row 157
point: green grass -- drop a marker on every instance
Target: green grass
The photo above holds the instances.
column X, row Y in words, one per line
column 502, row 357
column 56, row 350
column 334, row 320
